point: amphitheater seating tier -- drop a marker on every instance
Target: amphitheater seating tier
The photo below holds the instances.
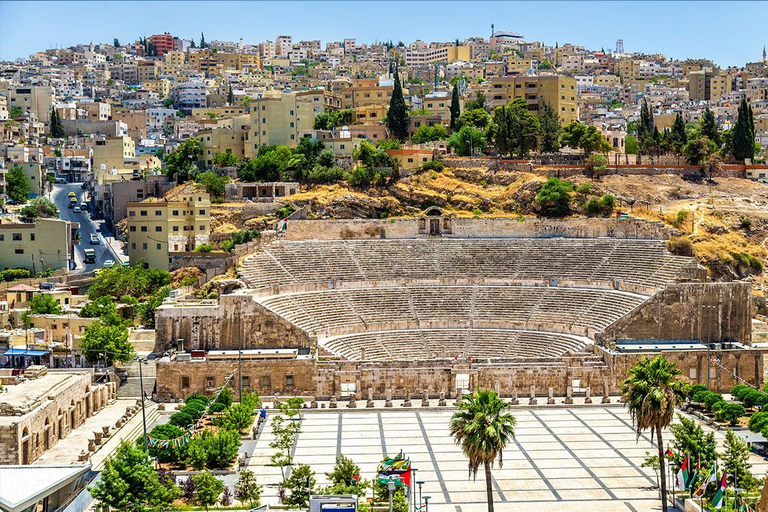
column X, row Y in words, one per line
column 429, row 344
column 364, row 309
column 645, row 263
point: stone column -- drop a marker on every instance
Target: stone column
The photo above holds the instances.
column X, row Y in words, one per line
column 588, row 399
column 407, row 401
column 515, row 400
column 568, row 395
column 388, row 402
column 550, row 396
column 458, row 396
column 425, row 399
column 532, row 400
column 441, row 402
column 369, row 403
column 606, row 395
column 333, row 404
column 352, row 404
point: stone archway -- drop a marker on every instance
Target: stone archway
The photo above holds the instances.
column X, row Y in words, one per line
column 72, row 409
column 25, row 455
column 435, row 222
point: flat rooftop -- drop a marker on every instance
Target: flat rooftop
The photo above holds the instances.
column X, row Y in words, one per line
column 20, row 399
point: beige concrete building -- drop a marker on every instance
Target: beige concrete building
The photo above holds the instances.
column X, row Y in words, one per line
column 158, row 227
column 36, row 413
column 37, row 99
column 232, row 138
column 558, row 91
column 44, row 243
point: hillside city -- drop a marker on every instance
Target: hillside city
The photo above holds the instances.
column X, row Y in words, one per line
column 337, row 274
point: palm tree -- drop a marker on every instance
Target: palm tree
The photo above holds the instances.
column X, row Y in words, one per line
column 482, row 429
column 651, row 392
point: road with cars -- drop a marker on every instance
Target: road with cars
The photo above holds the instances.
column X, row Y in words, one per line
column 91, row 231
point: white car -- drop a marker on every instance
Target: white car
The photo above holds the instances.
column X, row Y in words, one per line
column 109, row 263
column 76, row 209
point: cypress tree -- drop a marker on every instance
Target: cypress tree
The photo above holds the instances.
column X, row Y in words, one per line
column 646, row 129
column 455, row 108
column 57, row 129
column 744, row 133
column 709, row 127
column 230, row 96
column 550, row 130
column 397, row 115
column 203, row 44
column 678, row 137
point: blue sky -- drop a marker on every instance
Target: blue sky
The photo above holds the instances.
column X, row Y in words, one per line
column 731, row 33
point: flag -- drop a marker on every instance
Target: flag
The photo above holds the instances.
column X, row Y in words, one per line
column 710, row 478
column 694, row 474
column 669, row 453
column 717, row 500
column 283, row 224
column 682, row 475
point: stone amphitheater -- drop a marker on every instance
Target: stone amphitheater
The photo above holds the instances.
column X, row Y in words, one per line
column 393, row 308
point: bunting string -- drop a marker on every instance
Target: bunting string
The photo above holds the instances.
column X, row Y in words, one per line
column 192, row 430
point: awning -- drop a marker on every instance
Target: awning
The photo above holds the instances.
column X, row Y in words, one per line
column 25, row 352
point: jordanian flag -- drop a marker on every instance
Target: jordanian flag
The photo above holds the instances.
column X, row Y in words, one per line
column 669, row 453
column 717, row 501
column 703, row 487
column 694, row 474
column 683, row 474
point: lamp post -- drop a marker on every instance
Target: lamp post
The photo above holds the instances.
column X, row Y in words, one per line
column 390, row 488
column 143, row 412
column 426, row 503
column 420, row 483
column 412, row 495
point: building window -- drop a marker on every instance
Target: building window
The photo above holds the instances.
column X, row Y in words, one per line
column 176, row 213
column 143, row 229
column 133, row 246
column 32, row 237
column 158, row 213
column 202, row 228
column 143, row 213
column 266, row 382
column 132, row 229
column 289, row 380
column 2, row 238
column 246, row 382
column 19, row 251
column 175, row 228
column 202, row 212
column 131, row 214
column 158, row 247
column 144, row 246
column 158, row 229
column 17, row 237
column 209, row 381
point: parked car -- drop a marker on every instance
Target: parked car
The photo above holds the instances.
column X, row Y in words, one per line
column 109, row 263
column 72, row 194
column 76, row 209
column 94, row 239
column 60, row 180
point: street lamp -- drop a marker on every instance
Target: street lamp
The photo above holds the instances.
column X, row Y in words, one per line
column 143, row 412
column 426, row 503
column 420, row 483
column 412, row 495
column 390, row 488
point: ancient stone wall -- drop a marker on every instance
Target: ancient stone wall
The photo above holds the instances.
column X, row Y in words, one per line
column 236, row 319
column 340, row 229
column 177, row 380
column 710, row 312
column 26, row 437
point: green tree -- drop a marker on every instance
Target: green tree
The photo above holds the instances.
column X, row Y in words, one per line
column 271, row 164
column 744, row 133
column 455, row 107
column 129, row 483
column 101, row 306
column 345, row 478
column 580, row 136
column 646, row 127
column 482, row 427
column 116, row 43
column 247, row 490
column 555, row 197
column 709, row 127
column 736, row 460
column 209, row 488
column 136, row 281
column 698, row 150
column 651, row 393
column 147, row 309
column 168, row 453
column 111, row 341
column 550, row 130
column 678, row 135
column 17, row 185
column 226, row 159
column 181, row 163
column 467, row 141
column 426, row 133
column 203, row 44
column 57, row 128
column 478, row 102
column 213, row 451
column 41, row 207
column 301, row 483
column 212, row 183
column 44, row 304
column 514, row 129
column 238, row 418
column 631, row 146
column 477, row 118
column 397, row 115
column 688, row 438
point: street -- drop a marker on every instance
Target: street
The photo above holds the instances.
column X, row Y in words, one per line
column 104, row 251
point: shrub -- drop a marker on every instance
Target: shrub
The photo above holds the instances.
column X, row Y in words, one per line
column 11, row 274
column 169, row 453
column 584, row 188
column 225, row 397
column 181, row 419
column 680, row 246
column 711, row 399
column 750, row 397
column 203, row 398
column 194, row 410
column 217, row 407
column 695, row 389
column 592, row 207
column 434, row 165
column 284, row 211
column 555, row 197
column 608, row 202
column 204, row 248
column 731, row 413
column 196, row 403
column 321, row 174
column 718, row 406
column 735, row 389
column 747, row 261
column 758, row 421
column 213, row 451
column 700, row 395
column 741, row 393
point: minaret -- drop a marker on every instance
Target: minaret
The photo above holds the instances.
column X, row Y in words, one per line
column 492, row 32
column 765, row 61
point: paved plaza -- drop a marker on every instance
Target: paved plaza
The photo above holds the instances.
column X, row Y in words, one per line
column 577, row 459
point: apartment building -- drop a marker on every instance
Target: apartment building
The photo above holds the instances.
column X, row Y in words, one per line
column 190, row 94
column 700, row 84
column 35, row 99
column 113, row 152
column 558, row 91
column 37, row 245
column 148, row 70
column 418, row 56
column 158, row 227
column 361, row 92
column 231, row 138
column 163, row 43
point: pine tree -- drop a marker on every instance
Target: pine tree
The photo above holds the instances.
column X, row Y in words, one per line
column 645, row 131
column 744, row 133
column 678, row 138
column 57, row 130
column 455, row 108
column 397, row 115
column 203, row 44
column 230, row 96
column 709, row 127
column 550, row 130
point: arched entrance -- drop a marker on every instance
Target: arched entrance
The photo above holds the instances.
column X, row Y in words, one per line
column 434, row 222
column 25, row 446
